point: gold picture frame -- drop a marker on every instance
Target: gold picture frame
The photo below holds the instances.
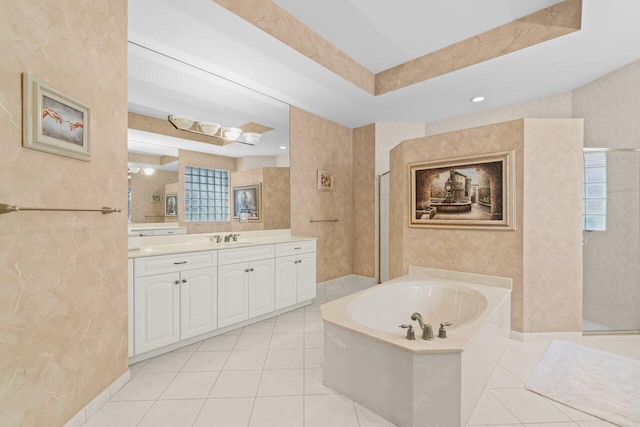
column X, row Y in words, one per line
column 475, row 192
column 171, row 205
column 53, row 121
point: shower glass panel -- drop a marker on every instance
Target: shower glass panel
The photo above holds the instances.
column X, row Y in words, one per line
column 611, row 293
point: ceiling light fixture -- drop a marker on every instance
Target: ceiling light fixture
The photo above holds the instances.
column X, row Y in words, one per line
column 477, row 99
column 283, row 148
column 147, row 171
column 190, row 124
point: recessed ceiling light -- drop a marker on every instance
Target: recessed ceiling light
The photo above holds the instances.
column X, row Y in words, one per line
column 283, row 148
column 478, row 99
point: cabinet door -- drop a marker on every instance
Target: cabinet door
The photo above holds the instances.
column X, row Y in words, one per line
column 198, row 302
column 306, row 276
column 285, row 287
column 261, row 287
column 233, row 294
column 156, row 311
column 130, row 308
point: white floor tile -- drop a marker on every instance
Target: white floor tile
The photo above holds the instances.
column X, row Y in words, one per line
column 599, row 423
column 191, row 347
column 289, row 328
column 190, row 385
column 502, row 378
column 253, row 342
column 314, row 327
column 206, row 361
column 219, row 343
column 489, row 411
column 281, row 382
column 172, row 413
column 284, row 359
column 292, row 316
column 366, row 418
column 170, row 362
column 230, row 412
column 521, row 370
column 330, row 410
column 121, row 414
column 313, row 358
column 135, row 368
column 313, row 340
column 241, row 360
column 529, row 407
column 313, row 383
column 278, row 411
column 144, row 387
column 236, row 384
column 568, row 424
column 312, row 316
column 572, row 413
column 264, row 327
column 287, row 341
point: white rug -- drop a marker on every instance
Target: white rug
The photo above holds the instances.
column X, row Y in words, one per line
column 601, row 384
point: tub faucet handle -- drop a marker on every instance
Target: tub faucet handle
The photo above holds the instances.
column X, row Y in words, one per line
column 411, row 335
column 442, row 333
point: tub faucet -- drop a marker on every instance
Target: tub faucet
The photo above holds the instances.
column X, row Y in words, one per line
column 231, row 238
column 427, row 330
column 216, row 239
column 411, row 335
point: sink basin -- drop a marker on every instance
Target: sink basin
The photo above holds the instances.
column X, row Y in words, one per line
column 233, row 244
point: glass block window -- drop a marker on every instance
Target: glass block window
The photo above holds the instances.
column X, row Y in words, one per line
column 206, row 195
column 595, row 191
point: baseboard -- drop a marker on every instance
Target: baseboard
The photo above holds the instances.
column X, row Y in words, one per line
column 366, row 279
column 545, row 336
column 92, row 407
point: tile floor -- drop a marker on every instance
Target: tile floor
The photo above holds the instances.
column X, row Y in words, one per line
column 268, row 374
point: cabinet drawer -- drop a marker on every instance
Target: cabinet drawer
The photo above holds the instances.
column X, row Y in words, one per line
column 255, row 253
column 284, row 249
column 171, row 263
column 169, row 231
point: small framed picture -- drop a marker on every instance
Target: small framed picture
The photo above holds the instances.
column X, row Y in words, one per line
column 325, row 180
column 247, row 203
column 53, row 121
column 171, row 205
column 156, row 198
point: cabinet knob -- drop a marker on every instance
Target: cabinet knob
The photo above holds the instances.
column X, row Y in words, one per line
column 246, row 270
column 251, row 269
column 184, row 280
column 177, row 282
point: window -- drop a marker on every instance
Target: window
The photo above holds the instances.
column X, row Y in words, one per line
column 595, row 191
column 206, row 194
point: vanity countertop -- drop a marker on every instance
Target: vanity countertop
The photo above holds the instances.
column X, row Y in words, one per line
column 167, row 245
column 153, row 226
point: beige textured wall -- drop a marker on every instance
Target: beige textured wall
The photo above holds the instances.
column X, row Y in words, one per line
column 611, row 111
column 276, row 198
column 201, row 160
column 364, row 200
column 552, row 224
column 63, row 299
column 142, row 187
column 501, row 253
column 317, row 143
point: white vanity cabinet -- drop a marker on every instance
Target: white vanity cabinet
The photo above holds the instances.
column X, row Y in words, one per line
column 295, row 274
column 175, row 298
column 245, row 283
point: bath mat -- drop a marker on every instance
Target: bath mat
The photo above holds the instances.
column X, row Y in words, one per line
column 601, row 384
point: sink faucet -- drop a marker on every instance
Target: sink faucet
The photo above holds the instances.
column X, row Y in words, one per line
column 427, row 330
column 215, row 238
column 231, row 238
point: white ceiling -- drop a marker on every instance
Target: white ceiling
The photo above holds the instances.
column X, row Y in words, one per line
column 381, row 34
column 202, row 33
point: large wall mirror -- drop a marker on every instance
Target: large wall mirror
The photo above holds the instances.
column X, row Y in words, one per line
column 207, row 183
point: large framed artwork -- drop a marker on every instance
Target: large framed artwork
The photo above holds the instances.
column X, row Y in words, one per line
column 53, row 121
column 247, row 200
column 171, row 205
column 467, row 192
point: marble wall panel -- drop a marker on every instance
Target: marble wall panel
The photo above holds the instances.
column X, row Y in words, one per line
column 142, row 187
column 364, row 198
column 552, row 270
column 63, row 299
column 317, row 143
